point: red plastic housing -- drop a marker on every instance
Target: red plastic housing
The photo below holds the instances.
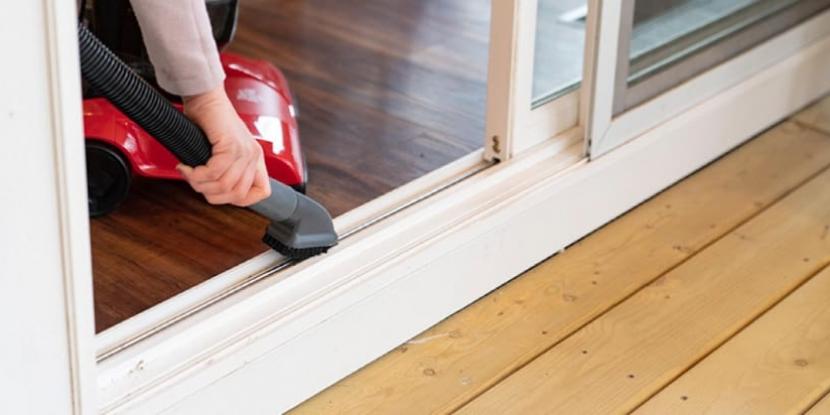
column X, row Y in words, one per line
column 260, row 94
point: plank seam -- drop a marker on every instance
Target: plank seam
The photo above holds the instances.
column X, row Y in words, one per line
column 811, row 127
column 740, row 330
column 649, row 282
column 825, row 395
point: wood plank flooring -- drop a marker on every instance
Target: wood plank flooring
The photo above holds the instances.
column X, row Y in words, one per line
column 652, row 337
column 388, row 89
column 722, row 276
column 768, row 368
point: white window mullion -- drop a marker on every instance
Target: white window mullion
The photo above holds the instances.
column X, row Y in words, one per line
column 513, row 123
column 602, row 67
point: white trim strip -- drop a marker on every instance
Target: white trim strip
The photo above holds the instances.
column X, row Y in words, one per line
column 70, row 175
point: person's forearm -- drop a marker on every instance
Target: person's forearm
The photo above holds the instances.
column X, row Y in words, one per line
column 180, row 42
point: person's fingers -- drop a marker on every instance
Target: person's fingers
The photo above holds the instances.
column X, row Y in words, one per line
column 243, row 187
column 217, row 176
column 260, row 188
column 216, row 167
column 255, row 195
column 191, row 175
column 222, row 191
column 236, row 172
column 185, row 170
column 262, row 180
column 199, row 183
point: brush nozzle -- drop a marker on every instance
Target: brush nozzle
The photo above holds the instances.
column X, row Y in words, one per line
column 300, row 227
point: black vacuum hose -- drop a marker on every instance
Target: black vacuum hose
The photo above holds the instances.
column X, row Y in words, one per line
column 139, row 101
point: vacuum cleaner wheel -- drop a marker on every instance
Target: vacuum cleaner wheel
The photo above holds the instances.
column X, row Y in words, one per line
column 107, row 176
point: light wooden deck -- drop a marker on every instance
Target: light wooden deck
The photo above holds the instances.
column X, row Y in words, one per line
column 712, row 297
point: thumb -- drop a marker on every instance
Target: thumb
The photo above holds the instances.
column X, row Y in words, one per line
column 185, row 170
column 260, row 190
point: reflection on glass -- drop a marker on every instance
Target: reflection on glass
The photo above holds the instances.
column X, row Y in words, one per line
column 666, row 31
column 560, row 39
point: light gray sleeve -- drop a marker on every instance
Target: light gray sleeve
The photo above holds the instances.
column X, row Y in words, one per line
column 180, row 43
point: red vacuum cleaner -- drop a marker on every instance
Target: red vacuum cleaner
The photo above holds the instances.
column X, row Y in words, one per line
column 118, row 148
column 133, row 128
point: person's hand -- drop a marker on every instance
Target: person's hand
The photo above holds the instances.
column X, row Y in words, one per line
column 235, row 173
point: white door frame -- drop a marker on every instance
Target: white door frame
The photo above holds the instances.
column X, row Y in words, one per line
column 276, row 341
column 47, row 361
column 307, row 326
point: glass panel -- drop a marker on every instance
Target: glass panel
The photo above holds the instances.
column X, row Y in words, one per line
column 665, row 31
column 560, row 40
column 674, row 40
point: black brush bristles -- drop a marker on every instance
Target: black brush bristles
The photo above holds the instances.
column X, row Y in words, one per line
column 296, row 254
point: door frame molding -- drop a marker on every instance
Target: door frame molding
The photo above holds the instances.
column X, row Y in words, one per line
column 46, row 309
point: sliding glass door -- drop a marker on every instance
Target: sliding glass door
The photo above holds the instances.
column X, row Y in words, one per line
column 675, row 48
column 559, row 49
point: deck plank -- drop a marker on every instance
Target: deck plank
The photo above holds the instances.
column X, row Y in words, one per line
column 816, row 115
column 622, row 358
column 456, row 360
column 777, row 365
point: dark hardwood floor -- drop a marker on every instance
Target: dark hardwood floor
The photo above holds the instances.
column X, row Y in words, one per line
column 388, row 89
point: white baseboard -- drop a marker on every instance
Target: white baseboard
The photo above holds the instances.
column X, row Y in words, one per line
column 278, row 343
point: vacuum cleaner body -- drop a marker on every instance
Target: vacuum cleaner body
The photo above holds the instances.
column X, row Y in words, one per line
column 260, row 94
